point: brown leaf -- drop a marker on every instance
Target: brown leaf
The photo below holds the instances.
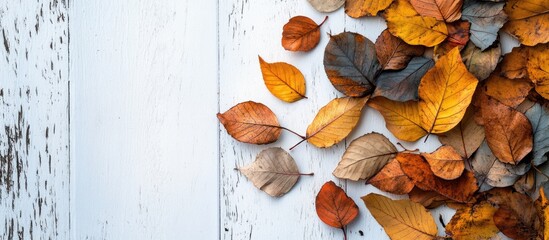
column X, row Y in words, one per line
column 458, row 36
column 508, row 132
column 251, row 122
column 473, row 222
column 283, row 80
column 481, row 63
column 445, row 162
column 528, row 21
column 513, row 64
column 417, row 169
column 361, row 8
column 542, row 205
column 443, row 10
column 326, row 5
column 429, row 199
column 466, row 137
column 393, row 53
column 510, row 92
column 334, row 207
column 274, row 171
column 392, row 179
column 301, row 34
column 518, row 222
column 335, row 121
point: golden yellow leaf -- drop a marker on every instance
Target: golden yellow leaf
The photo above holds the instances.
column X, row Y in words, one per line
column 542, row 205
column 401, row 219
column 361, row 8
column 404, row 22
column 335, row 121
column 473, row 223
column 445, row 92
column 528, row 21
column 401, row 118
column 283, row 80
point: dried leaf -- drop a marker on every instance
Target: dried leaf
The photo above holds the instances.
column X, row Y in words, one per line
column 466, row 137
column 514, row 63
column 334, row 207
column 401, row 219
column 488, row 169
column 351, row 64
column 283, row 80
column 301, row 34
column 417, row 169
column 473, row 222
column 251, row 122
column 508, row 131
column 445, row 162
column 335, row 121
column 402, row 85
column 528, row 21
column 520, row 222
column 539, row 118
column 445, row 93
column 404, row 22
column 542, row 205
column 429, row 199
column 538, row 68
column 401, row 118
column 393, row 53
column 481, row 63
column 274, row 171
column 365, row 157
column 458, row 36
column 392, row 179
column 326, row 5
column 361, row 8
column 510, row 92
column 443, row 10
column 526, row 183
column 486, row 19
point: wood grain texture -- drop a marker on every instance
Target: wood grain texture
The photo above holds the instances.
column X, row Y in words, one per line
column 34, row 97
column 145, row 83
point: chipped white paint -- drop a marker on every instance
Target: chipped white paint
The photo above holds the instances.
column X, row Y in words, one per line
column 34, row 139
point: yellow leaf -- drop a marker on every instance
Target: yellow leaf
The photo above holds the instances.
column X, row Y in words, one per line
column 401, row 118
column 404, row 22
column 401, row 219
column 283, row 80
column 472, row 223
column 528, row 20
column 445, row 92
column 335, row 121
column 361, row 8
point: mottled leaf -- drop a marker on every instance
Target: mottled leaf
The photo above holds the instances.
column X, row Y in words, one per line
column 473, row 223
column 486, row 19
column 403, row 85
column 510, row 92
column 528, row 21
column 517, row 217
column 481, row 63
column 458, row 36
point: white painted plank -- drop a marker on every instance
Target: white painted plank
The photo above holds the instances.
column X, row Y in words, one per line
column 144, row 103
column 34, row 98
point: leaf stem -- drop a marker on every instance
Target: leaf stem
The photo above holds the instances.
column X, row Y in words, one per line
column 303, row 140
column 297, row 134
column 283, row 173
column 344, row 233
column 537, row 169
column 326, row 18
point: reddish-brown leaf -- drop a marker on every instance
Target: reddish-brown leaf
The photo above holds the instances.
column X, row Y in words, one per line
column 334, row 207
column 510, row 92
column 458, row 36
column 301, row 34
column 392, row 179
column 443, row 10
column 393, row 53
column 251, row 122
column 517, row 217
column 445, row 162
column 429, row 199
column 417, row 169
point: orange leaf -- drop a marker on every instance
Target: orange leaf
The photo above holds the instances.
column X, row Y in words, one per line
column 334, row 207
column 251, row 122
column 301, row 34
column 445, row 162
column 443, row 10
column 510, row 92
column 392, row 179
column 528, row 21
column 283, row 80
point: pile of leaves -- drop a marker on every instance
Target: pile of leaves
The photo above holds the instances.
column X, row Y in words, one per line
column 490, row 112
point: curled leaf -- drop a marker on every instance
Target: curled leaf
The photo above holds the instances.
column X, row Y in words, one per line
column 401, row 118
column 361, row 8
column 283, row 80
column 335, row 121
column 251, row 122
column 401, row 219
column 351, row 64
column 442, row 10
column 402, row 85
column 392, row 179
column 445, row 162
column 326, row 5
column 274, row 171
column 301, row 34
column 334, row 207
column 365, row 156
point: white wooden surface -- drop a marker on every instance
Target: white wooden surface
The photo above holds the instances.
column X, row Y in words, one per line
column 142, row 81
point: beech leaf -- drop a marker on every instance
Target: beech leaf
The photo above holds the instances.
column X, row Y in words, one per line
column 402, row 85
column 538, row 116
column 351, row 64
column 481, row 63
column 326, row 5
column 283, row 80
column 466, row 137
column 335, row 121
column 488, row 169
column 445, row 162
column 274, row 171
column 458, row 36
column 301, row 34
column 392, row 179
column 486, row 19
column 517, row 217
column 365, row 157
column 361, row 8
column 404, row 22
column 445, row 92
column 334, row 207
column 393, row 53
column 528, row 21
column 401, row 219
column 473, row 222
column 510, row 92
column 442, row 10
column 401, row 118
column 251, row 122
